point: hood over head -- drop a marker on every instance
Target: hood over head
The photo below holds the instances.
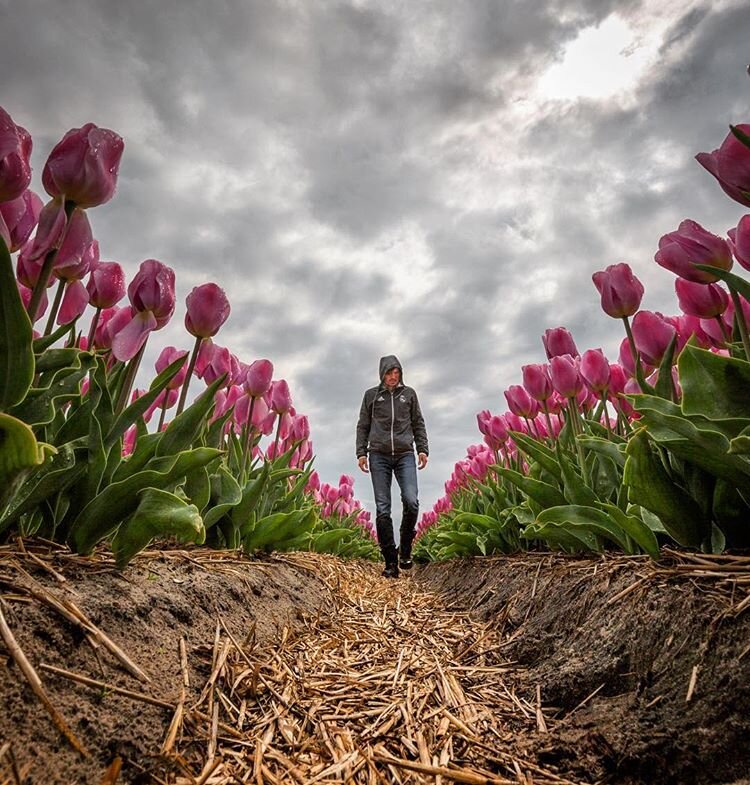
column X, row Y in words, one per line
column 388, row 362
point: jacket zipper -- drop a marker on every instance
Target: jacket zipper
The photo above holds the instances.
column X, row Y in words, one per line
column 393, row 416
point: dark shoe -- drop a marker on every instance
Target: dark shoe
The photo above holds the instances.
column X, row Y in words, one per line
column 390, row 571
column 406, row 564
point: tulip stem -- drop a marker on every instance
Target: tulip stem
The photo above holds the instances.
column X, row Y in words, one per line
column 163, row 415
column 127, row 382
column 276, row 442
column 631, row 342
column 248, row 437
column 191, row 367
column 55, row 307
column 545, row 409
column 739, row 316
column 92, row 329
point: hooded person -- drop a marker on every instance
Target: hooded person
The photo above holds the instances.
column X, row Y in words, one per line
column 390, row 425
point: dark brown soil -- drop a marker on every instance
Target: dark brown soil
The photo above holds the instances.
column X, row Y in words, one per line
column 146, row 610
column 612, row 645
column 574, row 629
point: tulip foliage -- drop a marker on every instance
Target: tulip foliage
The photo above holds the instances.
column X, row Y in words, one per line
column 82, row 459
column 653, row 449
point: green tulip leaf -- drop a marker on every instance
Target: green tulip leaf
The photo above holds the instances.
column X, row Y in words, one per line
column 225, row 494
column 330, row 541
column 651, row 487
column 713, row 386
column 182, row 432
column 542, row 493
column 16, row 335
column 251, row 495
column 159, row 514
column 584, row 518
column 635, row 528
column 101, row 516
column 539, row 452
column 272, row 530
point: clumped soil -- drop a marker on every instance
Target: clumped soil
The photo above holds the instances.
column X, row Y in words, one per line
column 640, row 672
column 644, row 668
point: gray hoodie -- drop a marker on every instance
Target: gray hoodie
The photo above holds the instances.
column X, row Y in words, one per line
column 390, row 422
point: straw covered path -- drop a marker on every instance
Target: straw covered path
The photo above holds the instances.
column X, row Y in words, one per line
column 388, row 686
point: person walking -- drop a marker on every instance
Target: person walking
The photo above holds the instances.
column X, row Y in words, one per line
column 390, row 425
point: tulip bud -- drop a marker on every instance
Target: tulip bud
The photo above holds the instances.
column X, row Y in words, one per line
column 565, row 375
column 730, row 165
column 152, row 289
column 79, row 252
column 536, row 381
column 19, row 216
column 520, row 402
column 652, row 334
column 595, row 370
column 702, row 300
column 739, row 241
column 558, row 341
column 281, row 399
column 691, row 244
column 620, row 290
column 167, row 356
column 258, row 378
column 83, row 166
column 15, row 152
column 74, row 302
column 207, row 309
column 212, row 362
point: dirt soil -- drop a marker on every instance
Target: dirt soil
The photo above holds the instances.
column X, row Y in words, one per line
column 639, row 673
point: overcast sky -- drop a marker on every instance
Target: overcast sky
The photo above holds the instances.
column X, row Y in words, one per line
column 435, row 180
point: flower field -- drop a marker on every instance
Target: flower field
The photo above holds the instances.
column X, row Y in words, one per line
column 86, row 458
column 631, row 455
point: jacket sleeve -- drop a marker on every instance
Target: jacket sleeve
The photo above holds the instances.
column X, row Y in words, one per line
column 418, row 427
column 363, row 427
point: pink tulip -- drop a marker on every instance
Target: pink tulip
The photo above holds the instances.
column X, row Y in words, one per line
column 165, row 400
column 595, row 370
column 536, row 381
column 258, row 378
column 301, row 429
column 313, row 483
column 620, row 290
column 28, row 270
column 18, row 218
column 74, row 302
column 15, row 152
column 730, row 165
column 691, row 244
column 690, row 327
column 207, row 309
column 50, row 231
column 111, row 321
column 702, row 300
column 520, row 402
column 483, row 419
column 558, row 341
column 152, row 296
column 565, row 375
column 497, row 433
column 212, row 362
column 739, row 241
column 83, row 166
column 106, row 285
column 652, row 334
column 167, row 356
column 281, row 399
column 25, row 292
column 79, row 252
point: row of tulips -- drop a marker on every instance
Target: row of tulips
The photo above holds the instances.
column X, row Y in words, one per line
column 82, row 456
column 653, row 448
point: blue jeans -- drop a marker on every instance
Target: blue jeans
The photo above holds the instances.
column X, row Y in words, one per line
column 382, row 468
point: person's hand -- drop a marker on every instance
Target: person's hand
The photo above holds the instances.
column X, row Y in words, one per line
column 362, row 461
column 421, row 460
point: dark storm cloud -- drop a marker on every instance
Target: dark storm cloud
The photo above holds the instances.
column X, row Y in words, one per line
column 362, row 178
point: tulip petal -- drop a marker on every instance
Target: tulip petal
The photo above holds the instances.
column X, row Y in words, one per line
column 74, row 302
column 127, row 343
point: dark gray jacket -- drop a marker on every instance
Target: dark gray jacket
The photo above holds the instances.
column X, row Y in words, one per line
column 390, row 422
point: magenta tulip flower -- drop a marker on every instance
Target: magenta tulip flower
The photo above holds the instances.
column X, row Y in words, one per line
column 497, row 432
column 702, row 300
column 558, row 341
column 15, row 152
column 620, row 290
column 691, row 244
column 730, row 165
column 167, row 356
column 594, row 369
column 301, row 429
column 111, row 321
column 212, row 361
column 18, row 218
column 652, row 334
column 281, row 399
column 690, row 327
column 536, row 381
column 565, row 375
column 520, row 402
column 152, row 297
column 83, row 166
column 258, row 378
column 207, row 309
column 106, row 285
column 50, row 230
column 483, row 419
column 739, row 241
